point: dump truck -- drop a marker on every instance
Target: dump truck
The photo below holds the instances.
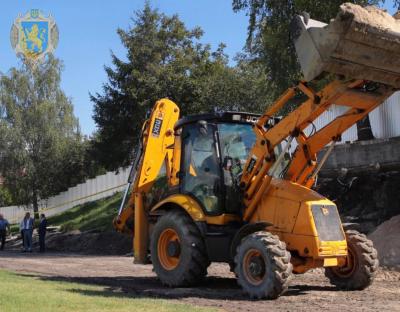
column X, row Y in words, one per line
column 236, row 187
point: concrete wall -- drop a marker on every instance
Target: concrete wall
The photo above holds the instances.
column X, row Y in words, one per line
column 364, row 156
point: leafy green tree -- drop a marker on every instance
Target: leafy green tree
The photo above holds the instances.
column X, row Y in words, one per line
column 243, row 87
column 5, row 196
column 165, row 59
column 40, row 142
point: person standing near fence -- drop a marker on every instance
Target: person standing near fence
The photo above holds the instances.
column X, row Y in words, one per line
column 28, row 231
column 42, row 232
column 4, row 225
column 21, row 230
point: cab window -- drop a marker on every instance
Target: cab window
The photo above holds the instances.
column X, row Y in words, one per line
column 236, row 141
column 201, row 166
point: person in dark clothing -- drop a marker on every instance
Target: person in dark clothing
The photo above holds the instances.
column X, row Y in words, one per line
column 4, row 225
column 42, row 232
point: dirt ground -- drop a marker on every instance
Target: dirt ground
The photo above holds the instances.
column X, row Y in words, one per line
column 117, row 274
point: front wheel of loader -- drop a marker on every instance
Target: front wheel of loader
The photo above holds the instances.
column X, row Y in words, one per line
column 178, row 252
column 361, row 266
column 262, row 266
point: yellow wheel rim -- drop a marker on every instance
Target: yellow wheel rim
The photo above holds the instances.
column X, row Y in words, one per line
column 168, row 249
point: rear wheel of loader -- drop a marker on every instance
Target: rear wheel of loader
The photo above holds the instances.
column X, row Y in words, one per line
column 263, row 265
column 178, row 251
column 361, row 266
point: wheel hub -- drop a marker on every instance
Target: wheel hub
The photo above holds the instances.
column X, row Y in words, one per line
column 254, row 267
column 173, row 249
column 169, row 249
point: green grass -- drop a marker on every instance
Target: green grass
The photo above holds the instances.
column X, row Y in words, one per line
column 27, row 293
column 96, row 215
column 14, row 228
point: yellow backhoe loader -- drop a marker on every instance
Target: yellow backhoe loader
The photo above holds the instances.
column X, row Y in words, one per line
column 236, row 187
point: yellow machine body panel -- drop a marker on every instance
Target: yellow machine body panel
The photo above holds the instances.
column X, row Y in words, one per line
column 292, row 210
column 185, row 202
column 193, row 208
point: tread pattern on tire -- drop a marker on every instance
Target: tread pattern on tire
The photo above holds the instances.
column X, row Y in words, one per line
column 280, row 270
column 368, row 264
column 190, row 270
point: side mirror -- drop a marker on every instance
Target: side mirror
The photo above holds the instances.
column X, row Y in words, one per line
column 228, row 162
column 203, row 129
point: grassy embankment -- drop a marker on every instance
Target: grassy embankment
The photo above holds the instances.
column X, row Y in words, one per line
column 97, row 215
column 27, row 293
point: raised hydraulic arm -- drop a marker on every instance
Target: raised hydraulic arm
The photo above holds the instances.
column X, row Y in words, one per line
column 360, row 96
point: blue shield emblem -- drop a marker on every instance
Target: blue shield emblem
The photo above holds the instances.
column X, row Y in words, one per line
column 35, row 36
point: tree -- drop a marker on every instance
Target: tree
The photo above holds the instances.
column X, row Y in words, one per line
column 5, row 196
column 38, row 133
column 165, row 59
column 270, row 44
column 243, row 87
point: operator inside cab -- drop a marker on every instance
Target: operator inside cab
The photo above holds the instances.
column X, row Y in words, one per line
column 207, row 150
column 202, row 167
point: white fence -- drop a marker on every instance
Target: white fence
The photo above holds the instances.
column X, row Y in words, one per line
column 93, row 189
column 384, row 120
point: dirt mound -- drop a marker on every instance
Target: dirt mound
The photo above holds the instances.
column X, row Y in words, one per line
column 387, row 242
column 104, row 243
column 368, row 199
column 371, row 16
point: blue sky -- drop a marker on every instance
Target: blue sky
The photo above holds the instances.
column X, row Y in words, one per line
column 88, row 35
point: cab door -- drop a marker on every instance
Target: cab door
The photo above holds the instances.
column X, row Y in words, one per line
column 201, row 166
column 236, row 141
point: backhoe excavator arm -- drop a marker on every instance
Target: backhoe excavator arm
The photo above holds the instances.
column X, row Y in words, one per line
column 156, row 139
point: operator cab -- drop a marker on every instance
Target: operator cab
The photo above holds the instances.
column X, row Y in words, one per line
column 215, row 148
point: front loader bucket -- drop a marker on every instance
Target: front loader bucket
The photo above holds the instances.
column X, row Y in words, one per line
column 360, row 43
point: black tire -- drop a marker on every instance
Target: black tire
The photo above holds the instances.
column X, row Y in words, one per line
column 193, row 261
column 268, row 273
column 364, row 264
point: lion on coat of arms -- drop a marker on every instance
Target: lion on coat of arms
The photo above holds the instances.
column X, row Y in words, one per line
column 35, row 37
